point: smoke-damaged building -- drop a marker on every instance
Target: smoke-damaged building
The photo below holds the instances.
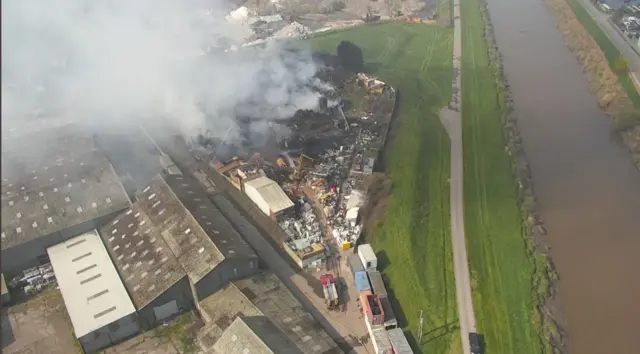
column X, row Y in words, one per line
column 55, row 185
column 174, row 248
column 264, row 315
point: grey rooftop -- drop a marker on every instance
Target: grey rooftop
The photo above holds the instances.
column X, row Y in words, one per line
column 53, row 184
column 264, row 295
column 195, row 230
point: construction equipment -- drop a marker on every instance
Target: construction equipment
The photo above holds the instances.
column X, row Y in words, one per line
column 330, row 292
column 300, row 162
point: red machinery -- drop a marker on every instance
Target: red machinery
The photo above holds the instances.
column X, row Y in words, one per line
column 330, row 292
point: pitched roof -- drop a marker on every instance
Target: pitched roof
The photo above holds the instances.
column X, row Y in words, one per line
column 91, row 288
column 265, row 295
column 271, row 192
column 256, row 335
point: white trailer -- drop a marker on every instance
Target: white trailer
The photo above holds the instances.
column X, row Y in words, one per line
column 367, row 257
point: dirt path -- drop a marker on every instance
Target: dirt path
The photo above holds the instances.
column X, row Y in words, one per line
column 452, row 121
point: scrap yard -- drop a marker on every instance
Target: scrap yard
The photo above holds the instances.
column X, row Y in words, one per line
column 313, row 181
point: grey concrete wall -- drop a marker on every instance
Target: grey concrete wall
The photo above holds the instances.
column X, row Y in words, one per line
column 227, row 271
column 111, row 334
column 180, row 291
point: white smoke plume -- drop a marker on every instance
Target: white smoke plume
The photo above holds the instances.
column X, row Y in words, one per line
column 111, row 63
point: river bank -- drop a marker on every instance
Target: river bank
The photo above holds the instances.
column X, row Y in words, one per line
column 586, row 188
column 604, row 82
column 546, row 312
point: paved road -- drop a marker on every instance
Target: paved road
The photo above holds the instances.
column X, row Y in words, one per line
column 452, row 121
column 614, row 34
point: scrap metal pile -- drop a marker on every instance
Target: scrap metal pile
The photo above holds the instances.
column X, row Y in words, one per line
column 34, row 280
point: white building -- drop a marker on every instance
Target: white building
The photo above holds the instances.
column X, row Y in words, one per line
column 100, row 309
column 268, row 196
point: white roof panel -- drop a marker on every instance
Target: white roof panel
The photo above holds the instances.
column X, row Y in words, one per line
column 91, row 288
column 271, row 193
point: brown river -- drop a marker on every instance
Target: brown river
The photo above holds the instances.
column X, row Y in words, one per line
column 587, row 187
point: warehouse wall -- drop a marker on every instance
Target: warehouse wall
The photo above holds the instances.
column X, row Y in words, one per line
column 18, row 258
column 180, row 291
column 110, row 334
column 227, row 271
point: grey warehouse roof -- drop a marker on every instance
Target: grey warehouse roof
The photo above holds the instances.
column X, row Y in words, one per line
column 195, row 230
column 144, row 260
column 171, row 230
column 256, row 335
column 50, row 184
column 264, row 295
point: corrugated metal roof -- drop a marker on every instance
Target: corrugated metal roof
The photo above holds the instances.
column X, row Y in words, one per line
column 91, row 288
column 72, row 182
column 271, row 192
column 377, row 284
column 399, row 341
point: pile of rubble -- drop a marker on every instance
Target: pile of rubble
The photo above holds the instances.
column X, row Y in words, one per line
column 34, row 280
column 305, row 227
column 293, row 30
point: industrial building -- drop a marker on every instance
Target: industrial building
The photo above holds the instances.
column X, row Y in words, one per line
column 254, row 334
column 269, row 310
column 269, row 197
column 99, row 307
column 55, row 185
column 174, row 248
column 154, row 278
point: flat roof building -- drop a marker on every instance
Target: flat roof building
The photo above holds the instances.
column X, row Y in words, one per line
column 266, row 298
column 55, row 185
column 268, row 196
column 100, row 309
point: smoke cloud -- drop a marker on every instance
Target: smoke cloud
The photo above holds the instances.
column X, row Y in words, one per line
column 110, row 64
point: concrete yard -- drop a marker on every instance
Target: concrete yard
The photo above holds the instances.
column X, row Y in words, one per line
column 38, row 326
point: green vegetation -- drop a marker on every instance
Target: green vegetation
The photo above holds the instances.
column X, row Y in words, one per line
column 507, row 285
column 610, row 51
column 178, row 331
column 414, row 238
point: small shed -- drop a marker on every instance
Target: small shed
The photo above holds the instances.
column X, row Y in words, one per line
column 268, row 196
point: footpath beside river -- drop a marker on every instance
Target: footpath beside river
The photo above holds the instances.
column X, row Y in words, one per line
column 587, row 188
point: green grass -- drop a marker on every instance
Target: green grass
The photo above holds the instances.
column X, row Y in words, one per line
column 610, row 51
column 415, row 235
column 501, row 269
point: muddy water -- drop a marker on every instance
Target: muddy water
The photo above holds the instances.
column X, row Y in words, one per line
column 588, row 190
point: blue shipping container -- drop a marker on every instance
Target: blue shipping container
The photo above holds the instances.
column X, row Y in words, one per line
column 362, row 282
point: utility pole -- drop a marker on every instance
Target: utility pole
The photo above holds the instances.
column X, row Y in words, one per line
column 420, row 328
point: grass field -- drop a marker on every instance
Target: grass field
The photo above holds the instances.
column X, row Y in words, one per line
column 415, row 235
column 611, row 52
column 500, row 267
